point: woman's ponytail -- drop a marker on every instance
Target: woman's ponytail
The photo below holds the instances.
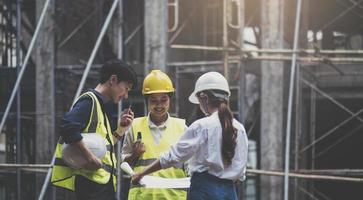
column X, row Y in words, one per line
column 229, row 133
column 219, row 99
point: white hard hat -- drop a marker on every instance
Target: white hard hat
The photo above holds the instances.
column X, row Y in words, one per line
column 75, row 159
column 209, row 81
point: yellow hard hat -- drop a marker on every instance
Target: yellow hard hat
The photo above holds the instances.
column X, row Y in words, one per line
column 157, row 82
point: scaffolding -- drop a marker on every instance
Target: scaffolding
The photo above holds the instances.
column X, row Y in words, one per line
column 234, row 57
column 299, row 57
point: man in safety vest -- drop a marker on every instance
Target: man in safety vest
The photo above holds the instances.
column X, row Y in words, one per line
column 153, row 134
column 96, row 178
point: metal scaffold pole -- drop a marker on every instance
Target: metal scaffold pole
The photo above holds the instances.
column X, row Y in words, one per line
column 225, row 41
column 25, row 63
column 18, row 104
column 305, row 176
column 119, row 110
column 83, row 80
column 267, row 51
column 289, row 108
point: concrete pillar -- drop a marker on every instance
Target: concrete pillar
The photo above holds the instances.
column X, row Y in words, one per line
column 45, row 118
column 156, row 34
column 271, row 157
column 242, row 112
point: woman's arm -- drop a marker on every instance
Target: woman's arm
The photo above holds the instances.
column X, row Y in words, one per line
column 153, row 167
column 188, row 144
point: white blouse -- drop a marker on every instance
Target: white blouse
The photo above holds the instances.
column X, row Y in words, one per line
column 201, row 145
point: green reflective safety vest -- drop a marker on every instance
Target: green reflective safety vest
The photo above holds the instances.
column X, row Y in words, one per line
column 174, row 129
column 64, row 176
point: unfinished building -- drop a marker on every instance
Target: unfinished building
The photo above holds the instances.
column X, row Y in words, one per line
column 295, row 70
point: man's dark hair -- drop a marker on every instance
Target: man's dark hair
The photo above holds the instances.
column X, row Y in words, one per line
column 123, row 71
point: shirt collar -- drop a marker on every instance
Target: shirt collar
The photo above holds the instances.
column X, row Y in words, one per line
column 99, row 96
column 163, row 125
column 214, row 113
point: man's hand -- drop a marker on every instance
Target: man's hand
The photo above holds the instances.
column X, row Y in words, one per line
column 92, row 164
column 126, row 118
column 124, row 121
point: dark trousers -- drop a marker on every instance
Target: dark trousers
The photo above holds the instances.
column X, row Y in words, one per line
column 204, row 186
column 86, row 189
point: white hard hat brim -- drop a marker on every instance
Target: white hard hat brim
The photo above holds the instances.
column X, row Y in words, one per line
column 193, row 97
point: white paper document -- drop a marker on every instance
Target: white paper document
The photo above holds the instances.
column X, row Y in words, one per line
column 158, row 182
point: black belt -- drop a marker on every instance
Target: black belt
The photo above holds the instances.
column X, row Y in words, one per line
column 141, row 186
column 109, row 169
column 211, row 177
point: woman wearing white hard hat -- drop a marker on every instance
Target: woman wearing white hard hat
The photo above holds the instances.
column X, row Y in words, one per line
column 215, row 146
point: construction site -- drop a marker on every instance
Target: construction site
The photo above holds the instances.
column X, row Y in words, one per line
column 295, row 70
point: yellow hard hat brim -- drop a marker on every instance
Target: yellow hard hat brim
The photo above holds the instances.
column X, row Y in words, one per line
column 158, row 91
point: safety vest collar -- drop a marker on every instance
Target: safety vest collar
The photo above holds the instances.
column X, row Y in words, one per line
column 153, row 125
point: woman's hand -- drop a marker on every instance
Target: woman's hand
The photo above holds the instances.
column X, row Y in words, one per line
column 138, row 148
column 135, row 179
column 153, row 167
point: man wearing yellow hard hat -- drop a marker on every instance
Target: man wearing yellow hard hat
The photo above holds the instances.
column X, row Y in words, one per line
column 153, row 134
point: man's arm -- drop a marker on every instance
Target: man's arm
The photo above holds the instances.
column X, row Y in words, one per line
column 76, row 120
column 123, row 124
column 91, row 161
column 72, row 125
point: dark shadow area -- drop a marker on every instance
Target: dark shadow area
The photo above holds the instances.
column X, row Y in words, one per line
column 340, row 150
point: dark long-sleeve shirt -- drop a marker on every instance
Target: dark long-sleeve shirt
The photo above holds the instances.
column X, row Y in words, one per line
column 71, row 127
column 74, row 121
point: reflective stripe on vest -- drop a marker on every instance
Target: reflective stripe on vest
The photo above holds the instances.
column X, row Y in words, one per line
column 63, row 176
column 107, row 168
column 174, row 129
column 144, row 162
